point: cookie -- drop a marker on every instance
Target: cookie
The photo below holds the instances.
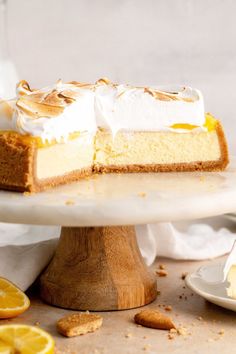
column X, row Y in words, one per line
column 154, row 319
column 78, row 323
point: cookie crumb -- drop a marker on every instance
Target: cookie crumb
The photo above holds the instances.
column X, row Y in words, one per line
column 146, row 347
column 173, row 330
column 182, row 331
column 221, row 332
column 199, row 318
column 26, row 194
column 162, row 266
column 142, row 194
column 162, row 273
column 168, row 308
column 183, row 275
column 171, row 336
column 128, row 335
column 37, row 323
column 69, row 202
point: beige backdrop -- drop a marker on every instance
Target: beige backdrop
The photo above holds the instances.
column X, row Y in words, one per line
column 139, row 41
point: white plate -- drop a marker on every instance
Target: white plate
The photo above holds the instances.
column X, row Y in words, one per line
column 214, row 293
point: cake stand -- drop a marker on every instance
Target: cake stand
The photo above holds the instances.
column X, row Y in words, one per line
column 97, row 265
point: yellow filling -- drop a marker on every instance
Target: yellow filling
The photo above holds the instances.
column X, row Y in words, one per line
column 28, row 139
column 210, row 122
column 210, row 125
column 42, row 144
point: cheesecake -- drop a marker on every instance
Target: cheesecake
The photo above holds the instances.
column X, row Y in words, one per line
column 47, row 136
column 68, row 131
column 144, row 129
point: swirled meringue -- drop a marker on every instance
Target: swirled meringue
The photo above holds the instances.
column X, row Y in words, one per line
column 54, row 112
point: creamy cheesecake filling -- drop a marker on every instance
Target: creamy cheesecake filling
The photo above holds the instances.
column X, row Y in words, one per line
column 144, row 148
column 61, row 159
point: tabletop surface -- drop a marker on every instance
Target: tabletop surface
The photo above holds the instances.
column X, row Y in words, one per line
column 206, row 328
column 123, row 199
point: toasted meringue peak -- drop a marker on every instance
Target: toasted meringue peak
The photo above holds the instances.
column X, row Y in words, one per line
column 167, row 96
column 81, row 84
column 104, row 81
column 48, row 102
column 69, row 95
column 53, row 99
column 36, row 109
column 159, row 95
column 23, row 88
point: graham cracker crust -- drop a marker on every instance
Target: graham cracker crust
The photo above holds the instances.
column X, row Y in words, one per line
column 175, row 167
column 18, row 165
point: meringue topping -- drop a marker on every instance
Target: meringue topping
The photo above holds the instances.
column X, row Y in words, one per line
column 124, row 107
column 54, row 112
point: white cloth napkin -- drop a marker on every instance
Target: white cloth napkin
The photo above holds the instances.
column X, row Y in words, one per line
column 26, row 250
column 194, row 242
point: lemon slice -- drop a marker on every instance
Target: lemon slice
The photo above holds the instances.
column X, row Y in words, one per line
column 23, row 339
column 12, row 300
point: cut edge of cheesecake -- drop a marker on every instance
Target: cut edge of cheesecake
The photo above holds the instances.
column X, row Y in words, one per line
column 18, row 166
column 18, row 163
column 209, row 165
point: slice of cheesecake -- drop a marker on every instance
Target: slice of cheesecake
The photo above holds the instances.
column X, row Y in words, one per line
column 148, row 151
column 26, row 165
column 65, row 132
column 151, row 130
column 47, row 137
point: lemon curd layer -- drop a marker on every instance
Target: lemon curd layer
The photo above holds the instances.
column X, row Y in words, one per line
column 210, row 125
column 29, row 139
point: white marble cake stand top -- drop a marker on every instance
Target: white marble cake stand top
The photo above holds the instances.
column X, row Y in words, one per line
column 126, row 199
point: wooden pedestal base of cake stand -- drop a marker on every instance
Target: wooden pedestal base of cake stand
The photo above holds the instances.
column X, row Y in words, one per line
column 98, row 268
